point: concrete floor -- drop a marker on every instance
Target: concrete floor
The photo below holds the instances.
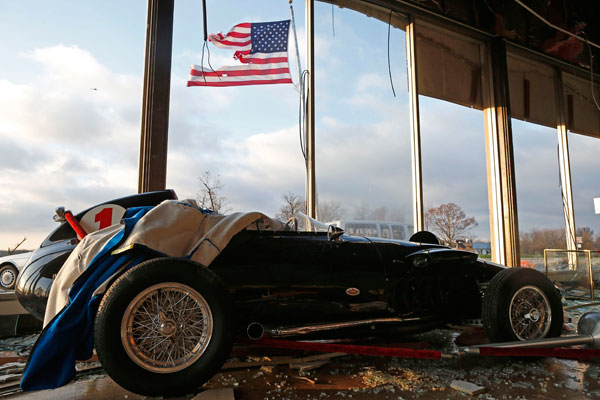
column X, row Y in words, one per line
column 367, row 377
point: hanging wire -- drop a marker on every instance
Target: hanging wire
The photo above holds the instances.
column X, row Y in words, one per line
column 301, row 115
column 388, row 53
column 583, row 39
column 538, row 16
column 301, row 89
column 205, row 46
column 592, row 72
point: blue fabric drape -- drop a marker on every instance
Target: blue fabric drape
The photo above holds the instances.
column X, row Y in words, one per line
column 69, row 336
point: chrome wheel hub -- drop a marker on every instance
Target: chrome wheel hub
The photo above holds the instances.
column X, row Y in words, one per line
column 166, row 327
column 7, row 278
column 530, row 313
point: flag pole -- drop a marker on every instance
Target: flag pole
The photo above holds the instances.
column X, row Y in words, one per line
column 311, row 190
column 306, row 121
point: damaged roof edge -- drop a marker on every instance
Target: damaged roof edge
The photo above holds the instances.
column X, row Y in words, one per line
column 380, row 9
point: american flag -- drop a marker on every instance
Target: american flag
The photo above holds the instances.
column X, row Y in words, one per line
column 262, row 48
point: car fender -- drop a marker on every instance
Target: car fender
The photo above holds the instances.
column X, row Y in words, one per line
column 16, row 260
column 431, row 256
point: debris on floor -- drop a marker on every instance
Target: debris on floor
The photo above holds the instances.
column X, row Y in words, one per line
column 467, row 387
column 254, row 373
column 308, row 365
column 215, row 394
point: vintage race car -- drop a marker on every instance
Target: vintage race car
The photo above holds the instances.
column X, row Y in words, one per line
column 166, row 325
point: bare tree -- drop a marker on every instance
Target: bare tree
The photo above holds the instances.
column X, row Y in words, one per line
column 361, row 212
column 330, row 210
column 449, row 222
column 11, row 251
column 379, row 214
column 364, row 212
column 587, row 237
column 210, row 193
column 293, row 204
column 535, row 241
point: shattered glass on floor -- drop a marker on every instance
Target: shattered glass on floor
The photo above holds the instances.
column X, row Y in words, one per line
column 263, row 373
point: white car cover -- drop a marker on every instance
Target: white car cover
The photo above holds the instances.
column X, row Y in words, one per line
column 174, row 228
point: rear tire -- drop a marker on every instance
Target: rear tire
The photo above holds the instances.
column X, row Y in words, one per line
column 521, row 304
column 164, row 328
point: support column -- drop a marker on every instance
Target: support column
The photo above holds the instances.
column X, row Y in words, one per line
column 415, row 130
column 564, row 163
column 311, row 193
column 502, row 194
column 155, row 102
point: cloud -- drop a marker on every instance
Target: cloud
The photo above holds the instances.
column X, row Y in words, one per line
column 70, row 136
column 370, row 81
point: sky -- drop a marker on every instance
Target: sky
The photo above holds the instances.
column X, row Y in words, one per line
column 70, row 104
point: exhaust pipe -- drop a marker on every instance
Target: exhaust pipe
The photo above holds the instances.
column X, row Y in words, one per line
column 588, row 329
column 256, row 330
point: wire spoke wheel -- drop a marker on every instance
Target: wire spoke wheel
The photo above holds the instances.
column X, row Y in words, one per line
column 521, row 304
column 166, row 327
column 530, row 313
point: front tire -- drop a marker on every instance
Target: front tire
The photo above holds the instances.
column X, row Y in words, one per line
column 521, row 304
column 164, row 328
column 8, row 276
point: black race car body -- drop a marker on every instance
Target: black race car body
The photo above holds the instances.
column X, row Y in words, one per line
column 291, row 278
column 166, row 325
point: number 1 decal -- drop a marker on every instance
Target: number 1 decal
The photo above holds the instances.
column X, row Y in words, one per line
column 101, row 217
column 104, row 218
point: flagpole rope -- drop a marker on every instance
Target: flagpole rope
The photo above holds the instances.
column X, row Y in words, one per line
column 388, row 53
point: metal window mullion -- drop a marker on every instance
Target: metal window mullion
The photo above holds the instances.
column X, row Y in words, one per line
column 492, row 160
column 499, row 156
column 155, row 101
column 564, row 162
column 415, row 131
column 494, row 186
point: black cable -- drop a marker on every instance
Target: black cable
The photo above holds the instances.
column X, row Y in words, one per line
column 587, row 42
column 301, row 113
column 205, row 46
column 202, row 62
column 209, row 64
column 388, row 53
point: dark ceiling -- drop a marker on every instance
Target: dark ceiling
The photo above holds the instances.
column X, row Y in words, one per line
column 509, row 19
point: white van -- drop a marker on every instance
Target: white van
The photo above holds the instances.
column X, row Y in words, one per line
column 376, row 229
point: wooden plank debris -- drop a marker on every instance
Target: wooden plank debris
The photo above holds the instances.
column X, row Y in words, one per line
column 308, row 365
column 467, row 387
column 280, row 361
column 215, row 394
